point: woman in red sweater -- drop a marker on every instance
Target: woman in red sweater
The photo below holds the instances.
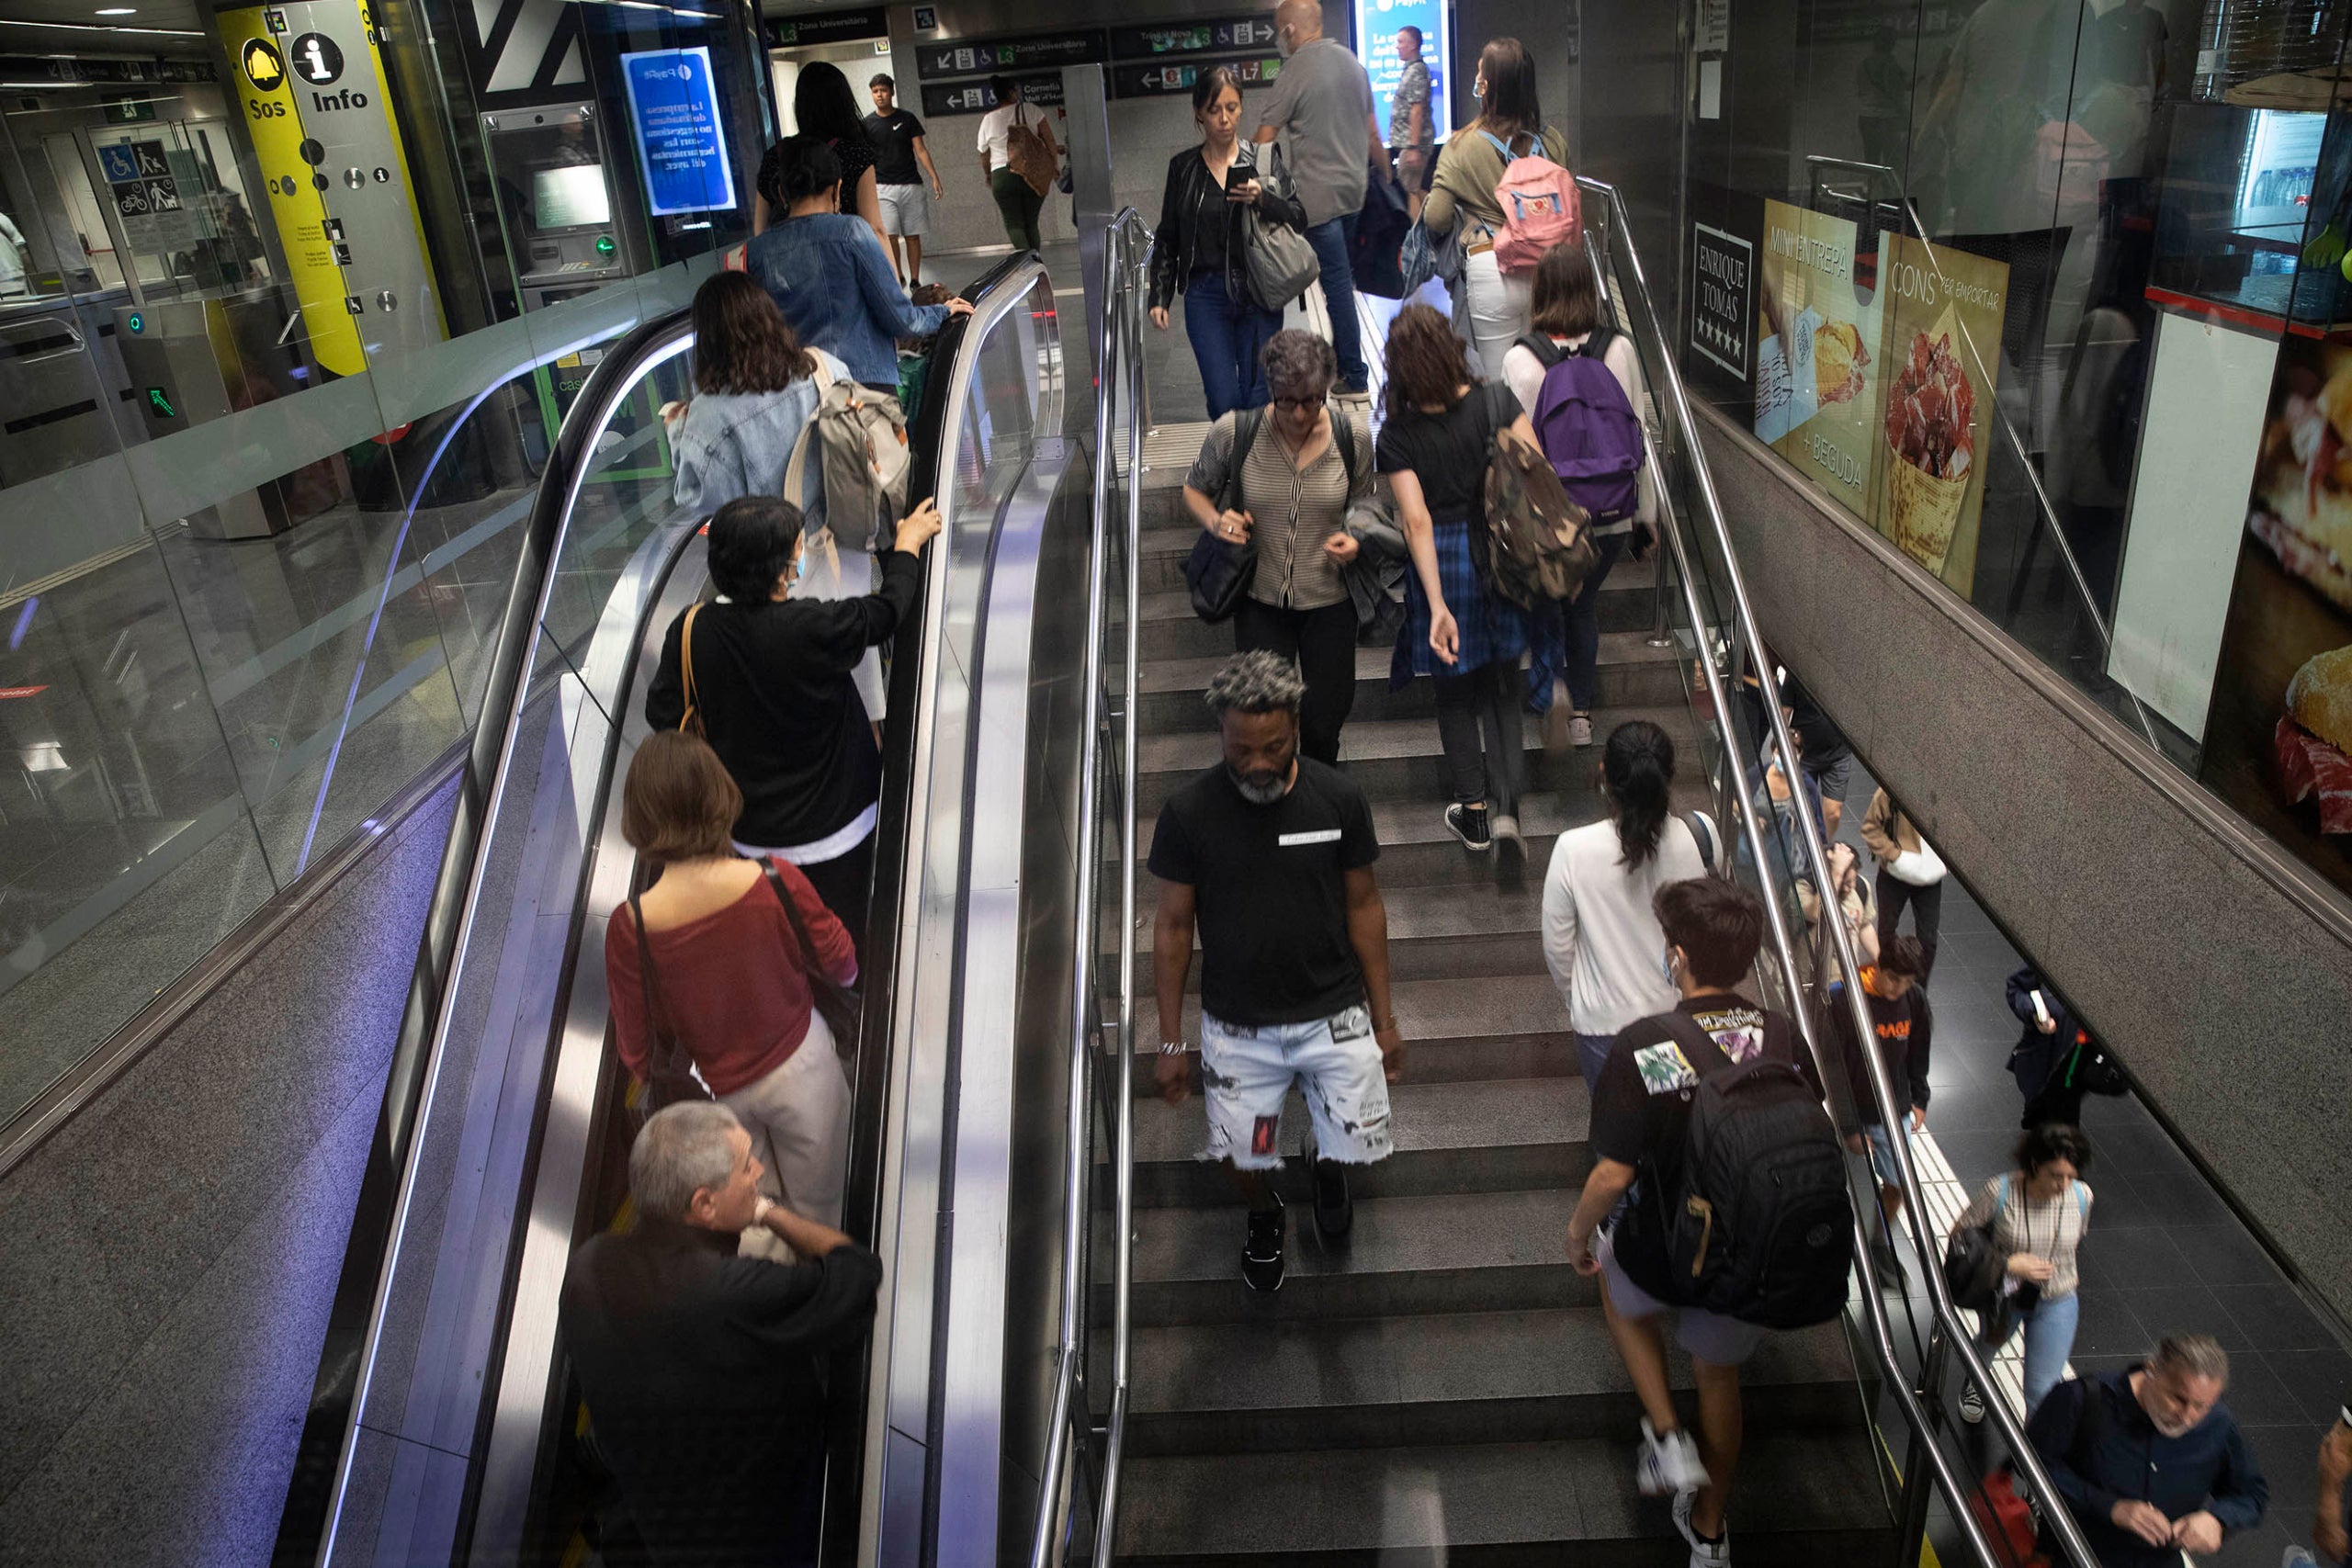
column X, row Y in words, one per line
column 728, row 976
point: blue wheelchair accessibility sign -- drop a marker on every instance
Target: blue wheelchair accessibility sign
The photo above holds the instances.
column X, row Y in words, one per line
column 118, row 163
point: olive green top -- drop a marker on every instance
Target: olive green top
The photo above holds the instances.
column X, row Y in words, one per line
column 1469, row 167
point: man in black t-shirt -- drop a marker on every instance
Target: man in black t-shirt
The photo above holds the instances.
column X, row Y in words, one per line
column 898, row 146
column 1269, row 854
column 1906, row 1032
column 1641, row 1112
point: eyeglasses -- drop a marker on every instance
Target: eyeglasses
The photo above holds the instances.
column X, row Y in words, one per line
column 1295, row 404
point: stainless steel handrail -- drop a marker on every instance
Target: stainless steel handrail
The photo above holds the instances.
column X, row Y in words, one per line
column 1922, row 1406
column 1056, row 1494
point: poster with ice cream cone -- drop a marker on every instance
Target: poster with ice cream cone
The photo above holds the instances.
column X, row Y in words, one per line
column 1817, row 351
column 1942, row 338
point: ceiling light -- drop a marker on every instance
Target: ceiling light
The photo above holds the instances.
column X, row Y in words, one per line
column 101, row 28
column 117, row 11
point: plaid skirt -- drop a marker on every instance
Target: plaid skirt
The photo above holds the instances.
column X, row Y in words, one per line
column 1491, row 628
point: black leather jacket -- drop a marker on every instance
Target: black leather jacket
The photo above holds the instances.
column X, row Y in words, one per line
column 1199, row 229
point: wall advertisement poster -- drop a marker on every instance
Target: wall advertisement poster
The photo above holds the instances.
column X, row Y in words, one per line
column 1377, row 25
column 2278, row 735
column 674, row 104
column 1942, row 358
column 1818, row 353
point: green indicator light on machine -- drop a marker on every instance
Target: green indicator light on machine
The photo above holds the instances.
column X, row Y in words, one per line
column 159, row 403
column 605, row 245
column 138, row 323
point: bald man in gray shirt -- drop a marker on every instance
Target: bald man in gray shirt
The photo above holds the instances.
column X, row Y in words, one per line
column 1322, row 108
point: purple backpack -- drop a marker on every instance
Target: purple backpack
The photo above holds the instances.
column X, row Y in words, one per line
column 1588, row 428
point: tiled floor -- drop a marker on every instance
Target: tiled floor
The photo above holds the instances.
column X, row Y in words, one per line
column 2164, row 1253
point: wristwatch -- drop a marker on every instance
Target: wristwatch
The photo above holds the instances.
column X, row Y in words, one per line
column 1174, row 1048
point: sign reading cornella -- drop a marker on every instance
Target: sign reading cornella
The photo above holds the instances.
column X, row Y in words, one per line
column 674, row 106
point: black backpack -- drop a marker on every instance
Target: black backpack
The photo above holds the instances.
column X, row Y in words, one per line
column 1762, row 1230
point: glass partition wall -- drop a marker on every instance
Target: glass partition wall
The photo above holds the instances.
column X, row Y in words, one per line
column 2050, row 293
column 272, row 406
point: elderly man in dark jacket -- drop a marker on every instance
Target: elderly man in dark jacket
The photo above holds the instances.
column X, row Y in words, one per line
column 2148, row 1459
column 701, row 1368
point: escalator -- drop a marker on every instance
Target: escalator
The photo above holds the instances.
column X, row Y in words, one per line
column 446, row 1427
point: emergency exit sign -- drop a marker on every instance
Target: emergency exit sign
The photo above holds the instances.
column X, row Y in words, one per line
column 128, row 111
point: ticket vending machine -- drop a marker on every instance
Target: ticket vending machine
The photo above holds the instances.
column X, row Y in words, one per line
column 569, row 231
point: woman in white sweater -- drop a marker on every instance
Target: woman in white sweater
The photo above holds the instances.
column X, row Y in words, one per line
column 1601, row 938
column 1569, row 320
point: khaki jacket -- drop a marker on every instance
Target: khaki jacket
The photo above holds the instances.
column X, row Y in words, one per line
column 1887, row 831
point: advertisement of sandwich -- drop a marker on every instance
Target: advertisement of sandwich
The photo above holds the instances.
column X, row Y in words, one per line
column 1942, row 336
column 2279, row 736
column 1817, row 351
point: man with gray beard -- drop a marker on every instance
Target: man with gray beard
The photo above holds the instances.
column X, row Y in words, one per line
column 1269, row 854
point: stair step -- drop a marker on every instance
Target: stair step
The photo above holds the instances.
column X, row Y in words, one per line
column 1401, row 758
column 1508, row 1026
column 1453, row 1252
column 1631, row 674
column 1479, row 1377
column 1471, row 927
column 1478, row 1137
column 1170, row 631
column 1800, row 1499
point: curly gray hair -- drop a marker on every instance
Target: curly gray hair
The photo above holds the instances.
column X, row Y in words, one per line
column 1298, row 365
column 1258, row 681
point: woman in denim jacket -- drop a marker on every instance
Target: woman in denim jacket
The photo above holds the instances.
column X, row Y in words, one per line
column 755, row 390
column 827, row 271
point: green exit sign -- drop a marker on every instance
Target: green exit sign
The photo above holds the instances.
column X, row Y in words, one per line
column 159, row 403
column 128, row 111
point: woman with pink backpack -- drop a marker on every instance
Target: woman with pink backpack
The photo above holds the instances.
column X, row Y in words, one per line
column 1503, row 187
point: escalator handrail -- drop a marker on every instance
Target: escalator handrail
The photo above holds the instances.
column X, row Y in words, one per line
column 1955, row 1336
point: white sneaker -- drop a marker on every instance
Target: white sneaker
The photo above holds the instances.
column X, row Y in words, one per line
column 1703, row 1554
column 1670, row 1463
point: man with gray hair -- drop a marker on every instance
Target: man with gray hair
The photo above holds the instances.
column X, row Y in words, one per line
column 1269, row 856
column 700, row 1368
column 2148, row 1459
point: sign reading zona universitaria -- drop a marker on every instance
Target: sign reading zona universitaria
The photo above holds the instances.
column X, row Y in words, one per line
column 1028, row 52
column 827, row 26
column 1244, row 34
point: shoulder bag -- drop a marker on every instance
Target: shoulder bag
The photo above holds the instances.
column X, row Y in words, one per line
column 1974, row 1263
column 1217, row 573
column 1280, row 262
column 670, row 1077
column 838, row 1005
column 690, row 720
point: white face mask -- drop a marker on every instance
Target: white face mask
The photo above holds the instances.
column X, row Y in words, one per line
column 1285, row 44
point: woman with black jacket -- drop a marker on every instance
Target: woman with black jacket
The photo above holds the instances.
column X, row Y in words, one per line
column 767, row 678
column 1199, row 253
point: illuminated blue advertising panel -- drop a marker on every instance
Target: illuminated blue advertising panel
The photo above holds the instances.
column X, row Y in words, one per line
column 1377, row 25
column 673, row 109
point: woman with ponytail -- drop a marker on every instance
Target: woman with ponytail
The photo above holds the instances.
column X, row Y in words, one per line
column 1602, row 941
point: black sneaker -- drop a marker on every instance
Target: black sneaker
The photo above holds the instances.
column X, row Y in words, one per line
column 1972, row 1404
column 1335, row 1211
column 1468, row 823
column 1262, row 1258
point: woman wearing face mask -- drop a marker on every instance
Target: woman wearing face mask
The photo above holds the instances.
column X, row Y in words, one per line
column 1493, row 305
column 767, row 678
column 1601, row 936
column 1198, row 251
column 1301, row 465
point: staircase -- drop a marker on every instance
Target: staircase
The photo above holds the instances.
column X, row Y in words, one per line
column 1441, row 1387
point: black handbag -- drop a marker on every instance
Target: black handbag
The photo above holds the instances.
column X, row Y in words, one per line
column 1217, row 573
column 838, row 1005
column 670, row 1077
column 1973, row 1267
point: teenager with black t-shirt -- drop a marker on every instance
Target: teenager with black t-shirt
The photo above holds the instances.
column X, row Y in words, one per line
column 1269, row 856
column 1905, row 1027
column 774, row 692
column 1641, row 1113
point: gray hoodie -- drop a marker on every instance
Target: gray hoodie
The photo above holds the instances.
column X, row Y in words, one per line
column 732, row 444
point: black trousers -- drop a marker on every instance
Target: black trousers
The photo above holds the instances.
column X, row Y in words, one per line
column 846, row 885
column 1926, row 906
column 1324, row 643
column 1478, row 724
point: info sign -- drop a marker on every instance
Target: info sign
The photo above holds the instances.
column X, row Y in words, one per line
column 1377, row 24
column 1179, row 76
column 1037, row 51
column 674, row 104
column 1253, row 32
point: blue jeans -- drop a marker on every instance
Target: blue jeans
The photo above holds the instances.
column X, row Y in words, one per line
column 1227, row 335
column 1334, row 244
column 2049, row 1341
column 1592, row 1055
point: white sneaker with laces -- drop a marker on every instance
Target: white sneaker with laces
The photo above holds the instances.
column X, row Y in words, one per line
column 1703, row 1554
column 1668, row 1463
